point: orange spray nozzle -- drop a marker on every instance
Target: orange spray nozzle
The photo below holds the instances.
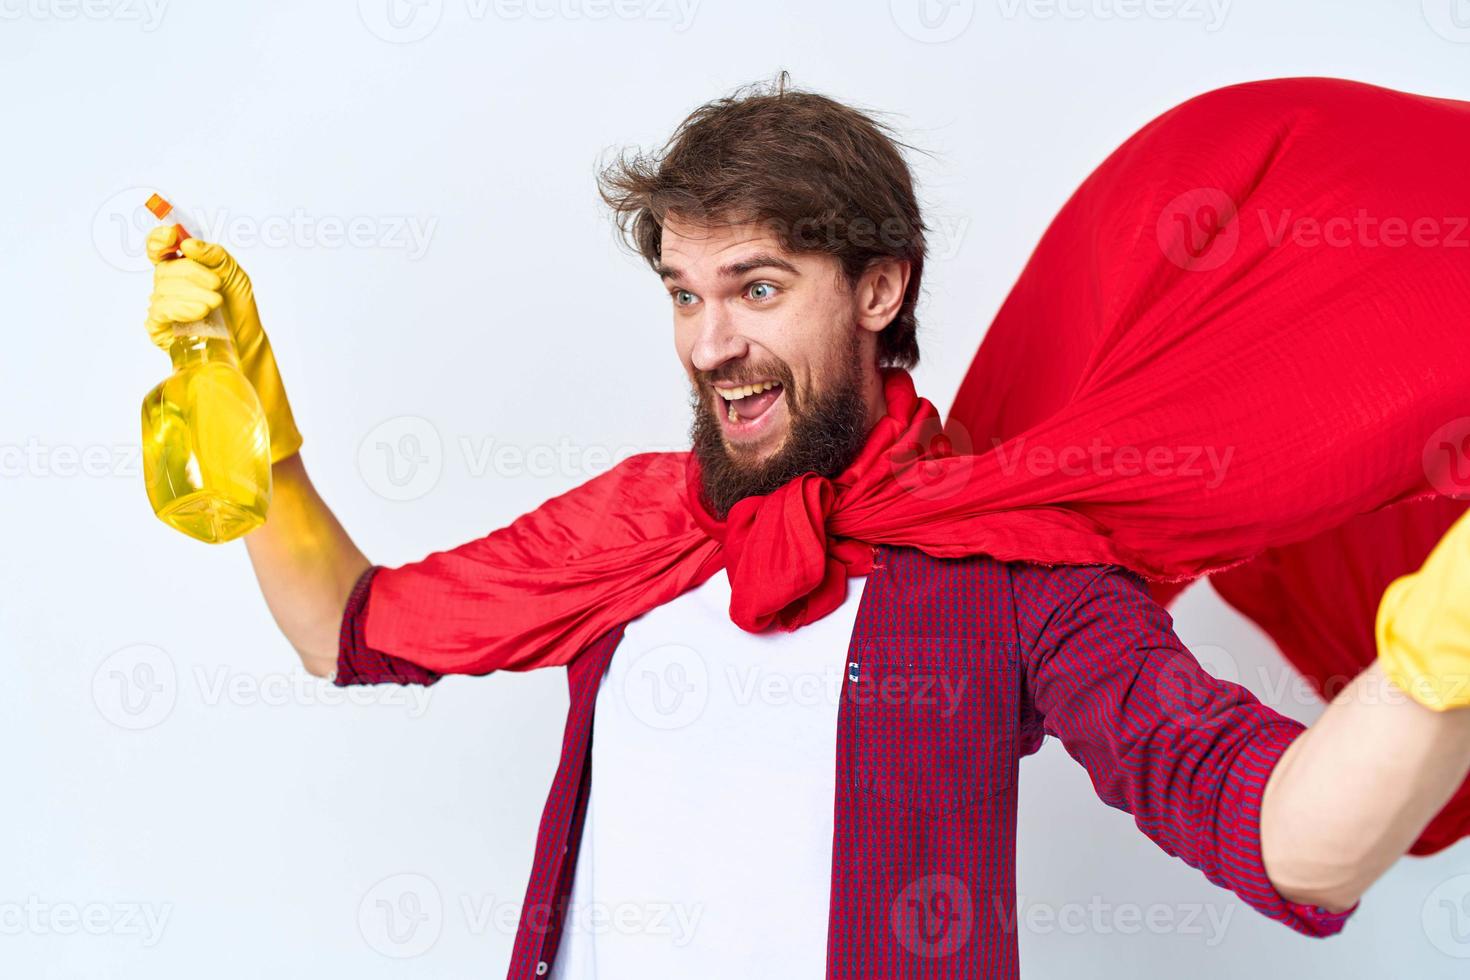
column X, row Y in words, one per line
column 161, row 209
column 158, row 206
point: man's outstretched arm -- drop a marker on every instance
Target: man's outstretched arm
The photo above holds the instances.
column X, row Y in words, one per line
column 304, row 560
column 306, row 565
column 1355, row 790
column 1190, row 756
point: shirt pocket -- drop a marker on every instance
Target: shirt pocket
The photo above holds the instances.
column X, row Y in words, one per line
column 935, row 720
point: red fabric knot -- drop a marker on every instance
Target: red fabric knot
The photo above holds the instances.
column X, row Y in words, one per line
column 785, row 565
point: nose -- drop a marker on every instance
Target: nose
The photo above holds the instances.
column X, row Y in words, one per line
column 717, row 340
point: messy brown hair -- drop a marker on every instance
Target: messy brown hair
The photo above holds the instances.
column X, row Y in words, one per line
column 823, row 176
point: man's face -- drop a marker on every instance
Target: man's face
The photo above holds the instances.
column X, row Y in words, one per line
column 781, row 354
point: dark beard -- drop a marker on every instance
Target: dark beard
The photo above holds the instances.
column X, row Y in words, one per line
column 825, row 437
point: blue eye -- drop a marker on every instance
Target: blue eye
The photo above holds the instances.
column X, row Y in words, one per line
column 761, row 290
column 683, row 297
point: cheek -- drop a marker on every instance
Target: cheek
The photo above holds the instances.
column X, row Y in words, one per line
column 684, row 336
column 812, row 336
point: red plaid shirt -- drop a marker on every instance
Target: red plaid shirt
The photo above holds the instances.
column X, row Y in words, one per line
column 923, row 858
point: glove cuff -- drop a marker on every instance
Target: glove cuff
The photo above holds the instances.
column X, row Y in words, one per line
column 1424, row 663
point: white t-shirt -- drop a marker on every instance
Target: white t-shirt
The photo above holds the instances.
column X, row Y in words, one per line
column 707, row 850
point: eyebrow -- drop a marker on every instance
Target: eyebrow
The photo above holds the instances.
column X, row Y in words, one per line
column 761, row 260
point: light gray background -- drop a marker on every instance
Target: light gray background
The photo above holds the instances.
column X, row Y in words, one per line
column 178, row 797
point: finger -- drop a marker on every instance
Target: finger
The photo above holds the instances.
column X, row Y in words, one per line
column 205, row 253
column 161, row 332
column 177, row 310
column 186, row 270
column 184, row 291
column 161, row 241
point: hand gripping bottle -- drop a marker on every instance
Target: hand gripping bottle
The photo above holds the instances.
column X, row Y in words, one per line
column 206, row 447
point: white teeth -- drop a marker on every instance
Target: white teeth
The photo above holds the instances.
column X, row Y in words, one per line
column 745, row 391
column 732, row 416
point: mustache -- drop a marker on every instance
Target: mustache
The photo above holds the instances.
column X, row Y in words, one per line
column 741, row 374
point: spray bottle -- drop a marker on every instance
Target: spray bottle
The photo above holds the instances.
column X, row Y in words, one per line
column 206, row 447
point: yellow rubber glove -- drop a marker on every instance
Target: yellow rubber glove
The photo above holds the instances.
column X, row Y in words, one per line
column 1423, row 626
column 206, row 278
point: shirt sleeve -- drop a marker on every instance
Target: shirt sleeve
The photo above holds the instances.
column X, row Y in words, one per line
column 1185, row 753
column 358, row 663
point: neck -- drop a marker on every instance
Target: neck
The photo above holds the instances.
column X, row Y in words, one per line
column 873, row 398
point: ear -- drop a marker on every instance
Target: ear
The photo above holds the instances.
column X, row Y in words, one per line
column 880, row 291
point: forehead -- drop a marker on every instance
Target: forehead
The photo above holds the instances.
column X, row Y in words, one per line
column 693, row 240
column 719, row 250
column 710, row 257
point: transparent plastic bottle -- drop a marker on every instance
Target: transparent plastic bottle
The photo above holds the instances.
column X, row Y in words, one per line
column 206, row 446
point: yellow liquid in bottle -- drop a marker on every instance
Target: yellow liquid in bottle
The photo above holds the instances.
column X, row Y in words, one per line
column 206, row 448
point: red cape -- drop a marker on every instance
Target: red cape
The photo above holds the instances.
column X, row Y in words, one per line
column 1241, row 349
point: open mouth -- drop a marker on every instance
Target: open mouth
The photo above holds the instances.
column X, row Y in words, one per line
column 745, row 404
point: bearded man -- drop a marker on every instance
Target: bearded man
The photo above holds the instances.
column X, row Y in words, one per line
column 822, row 537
